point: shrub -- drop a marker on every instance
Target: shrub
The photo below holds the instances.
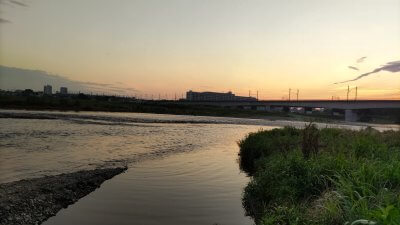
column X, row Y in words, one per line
column 310, row 140
column 264, row 143
column 354, row 178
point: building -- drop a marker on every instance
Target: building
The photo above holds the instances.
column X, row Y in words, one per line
column 48, row 90
column 63, row 90
column 215, row 96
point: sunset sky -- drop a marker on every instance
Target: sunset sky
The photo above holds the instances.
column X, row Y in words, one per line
column 171, row 46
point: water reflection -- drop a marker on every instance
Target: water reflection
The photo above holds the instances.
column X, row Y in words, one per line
column 202, row 187
column 198, row 183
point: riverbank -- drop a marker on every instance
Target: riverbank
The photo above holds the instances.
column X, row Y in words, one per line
column 327, row 176
column 112, row 104
column 33, row 201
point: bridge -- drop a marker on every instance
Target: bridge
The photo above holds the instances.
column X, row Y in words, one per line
column 351, row 108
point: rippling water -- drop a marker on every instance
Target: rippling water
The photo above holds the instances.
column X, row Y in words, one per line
column 182, row 169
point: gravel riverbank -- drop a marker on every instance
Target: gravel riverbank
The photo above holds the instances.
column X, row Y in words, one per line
column 33, row 201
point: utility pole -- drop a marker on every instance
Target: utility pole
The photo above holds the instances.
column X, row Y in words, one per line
column 356, row 94
column 159, row 96
column 257, row 95
column 175, row 96
column 297, row 94
column 348, row 91
column 290, row 90
column 249, row 93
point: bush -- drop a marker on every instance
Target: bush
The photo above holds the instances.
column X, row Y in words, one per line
column 264, row 143
column 310, row 140
column 353, row 179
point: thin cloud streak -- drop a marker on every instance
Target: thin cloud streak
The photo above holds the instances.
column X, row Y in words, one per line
column 360, row 60
column 353, row 67
column 18, row 3
column 390, row 67
column 4, row 21
column 96, row 84
column 17, row 78
column 12, row 3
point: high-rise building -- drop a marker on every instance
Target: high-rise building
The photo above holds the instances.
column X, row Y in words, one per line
column 63, row 90
column 48, row 90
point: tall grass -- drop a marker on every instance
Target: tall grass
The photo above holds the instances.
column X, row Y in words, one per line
column 328, row 176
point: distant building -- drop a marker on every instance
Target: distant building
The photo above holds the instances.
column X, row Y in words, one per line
column 48, row 90
column 63, row 90
column 215, row 96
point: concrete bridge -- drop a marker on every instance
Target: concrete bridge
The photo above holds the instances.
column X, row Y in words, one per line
column 350, row 108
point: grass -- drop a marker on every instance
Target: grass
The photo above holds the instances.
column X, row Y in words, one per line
column 328, row 176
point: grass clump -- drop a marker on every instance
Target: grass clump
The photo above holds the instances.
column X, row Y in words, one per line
column 327, row 176
column 261, row 144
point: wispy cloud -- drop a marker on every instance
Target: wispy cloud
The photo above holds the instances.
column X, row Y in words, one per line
column 18, row 3
column 360, row 60
column 389, row 67
column 16, row 78
column 353, row 67
column 96, row 84
column 22, row 3
column 4, row 21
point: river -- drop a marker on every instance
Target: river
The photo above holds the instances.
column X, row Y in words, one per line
column 182, row 169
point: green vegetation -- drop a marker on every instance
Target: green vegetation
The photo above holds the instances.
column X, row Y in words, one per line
column 328, row 176
column 83, row 102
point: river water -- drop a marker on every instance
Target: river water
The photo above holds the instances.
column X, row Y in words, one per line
column 182, row 169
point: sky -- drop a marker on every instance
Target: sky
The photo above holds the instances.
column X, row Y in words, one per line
column 152, row 47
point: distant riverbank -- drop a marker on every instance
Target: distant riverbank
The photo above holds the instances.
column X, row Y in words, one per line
column 114, row 104
column 110, row 104
column 83, row 102
column 328, row 176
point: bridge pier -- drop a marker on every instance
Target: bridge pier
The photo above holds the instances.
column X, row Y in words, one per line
column 307, row 110
column 263, row 108
column 286, row 109
column 276, row 108
column 351, row 115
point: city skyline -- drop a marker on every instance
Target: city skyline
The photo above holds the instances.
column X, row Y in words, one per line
column 168, row 47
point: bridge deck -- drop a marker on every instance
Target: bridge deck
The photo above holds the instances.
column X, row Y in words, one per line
column 359, row 104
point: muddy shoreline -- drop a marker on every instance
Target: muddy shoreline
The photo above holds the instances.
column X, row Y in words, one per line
column 33, row 201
